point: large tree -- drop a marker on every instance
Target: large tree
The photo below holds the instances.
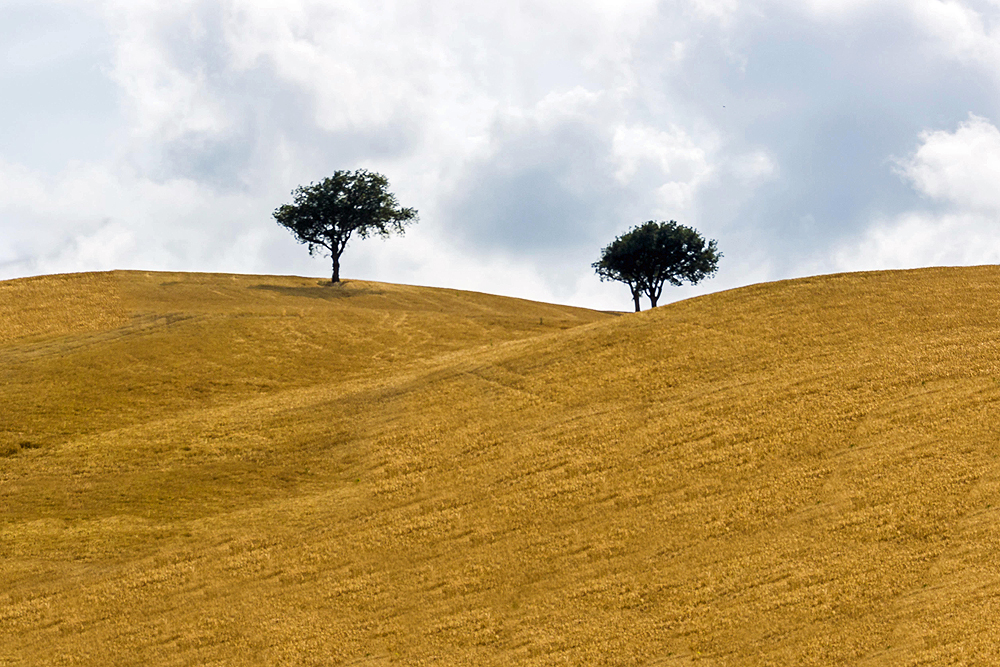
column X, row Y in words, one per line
column 654, row 253
column 325, row 215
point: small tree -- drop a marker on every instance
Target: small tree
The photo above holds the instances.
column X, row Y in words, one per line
column 655, row 253
column 325, row 215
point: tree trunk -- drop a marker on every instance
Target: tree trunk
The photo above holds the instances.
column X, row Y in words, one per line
column 654, row 294
column 636, row 293
column 336, row 270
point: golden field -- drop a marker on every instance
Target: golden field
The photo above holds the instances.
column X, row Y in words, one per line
column 204, row 469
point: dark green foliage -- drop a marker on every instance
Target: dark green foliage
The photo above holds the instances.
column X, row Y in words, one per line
column 655, row 253
column 325, row 215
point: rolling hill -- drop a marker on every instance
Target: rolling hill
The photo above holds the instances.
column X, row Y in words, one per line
column 203, row 469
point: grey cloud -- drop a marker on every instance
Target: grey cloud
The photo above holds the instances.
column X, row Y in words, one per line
column 545, row 190
column 833, row 102
column 264, row 113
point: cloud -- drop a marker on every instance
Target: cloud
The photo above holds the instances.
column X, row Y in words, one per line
column 527, row 134
column 920, row 239
column 961, row 168
column 965, row 31
column 113, row 220
column 957, row 174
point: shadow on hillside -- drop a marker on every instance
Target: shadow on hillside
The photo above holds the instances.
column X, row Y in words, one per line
column 322, row 290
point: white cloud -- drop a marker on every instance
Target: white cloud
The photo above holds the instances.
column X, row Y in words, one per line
column 672, row 152
column 754, row 168
column 960, row 167
column 963, row 32
column 168, row 100
column 842, row 10
column 921, row 239
column 958, row 170
column 96, row 219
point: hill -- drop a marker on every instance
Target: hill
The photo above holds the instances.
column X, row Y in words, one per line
column 244, row 470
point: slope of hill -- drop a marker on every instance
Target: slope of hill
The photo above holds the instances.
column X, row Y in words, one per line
column 240, row 470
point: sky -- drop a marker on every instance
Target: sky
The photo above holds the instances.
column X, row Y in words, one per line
column 805, row 136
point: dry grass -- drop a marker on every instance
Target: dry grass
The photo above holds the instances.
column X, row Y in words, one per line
column 241, row 470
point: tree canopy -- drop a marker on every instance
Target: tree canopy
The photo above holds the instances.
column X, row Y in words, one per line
column 327, row 214
column 655, row 253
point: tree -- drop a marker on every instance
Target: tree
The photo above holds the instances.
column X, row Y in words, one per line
column 325, row 215
column 655, row 253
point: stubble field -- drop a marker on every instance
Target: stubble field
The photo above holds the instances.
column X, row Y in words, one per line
column 203, row 469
